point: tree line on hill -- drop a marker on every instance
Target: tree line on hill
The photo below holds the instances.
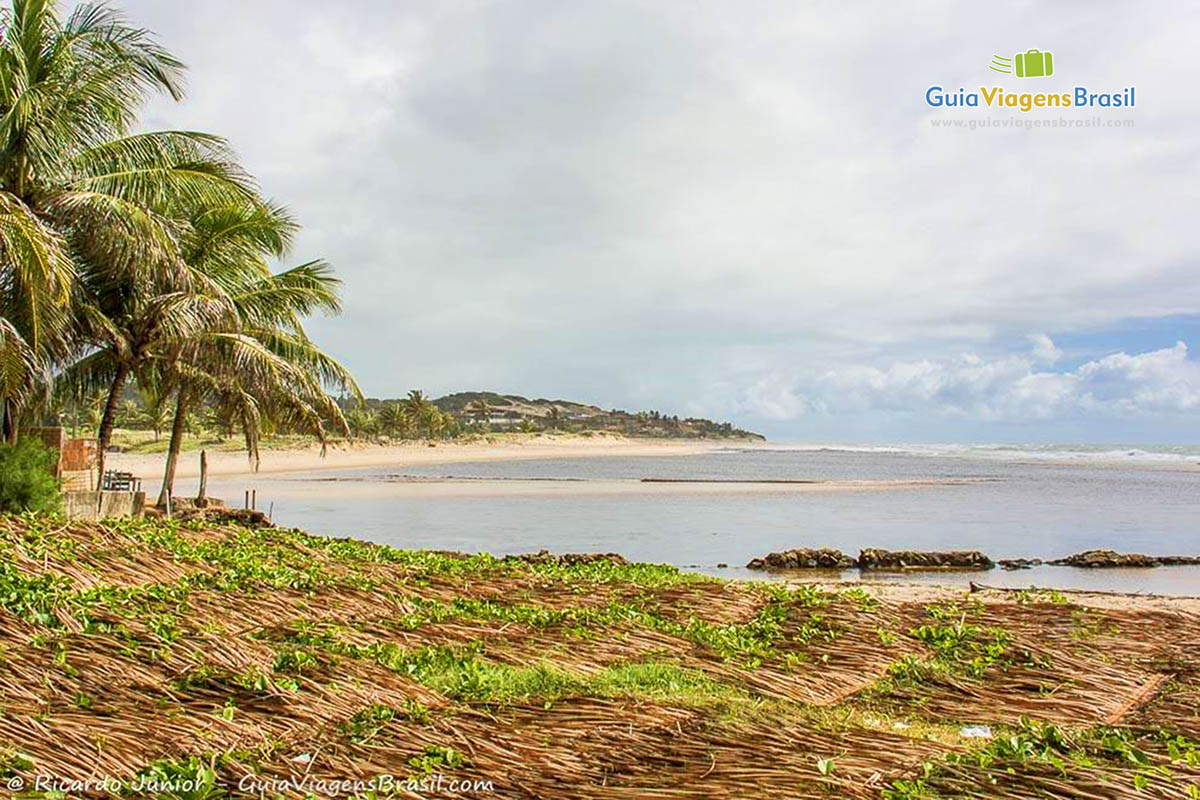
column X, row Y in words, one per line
column 418, row 417
column 415, row 416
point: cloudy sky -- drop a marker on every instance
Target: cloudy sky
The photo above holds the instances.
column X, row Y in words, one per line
column 742, row 211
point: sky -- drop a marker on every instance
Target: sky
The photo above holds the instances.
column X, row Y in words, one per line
column 742, row 211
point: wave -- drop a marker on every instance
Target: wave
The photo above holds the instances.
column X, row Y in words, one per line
column 1106, row 453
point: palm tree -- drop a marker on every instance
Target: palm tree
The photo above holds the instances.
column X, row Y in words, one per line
column 394, row 418
column 262, row 377
column 417, row 405
column 406, row 426
column 257, row 365
column 129, row 414
column 363, row 422
column 154, row 406
column 415, row 402
column 86, row 208
column 432, row 420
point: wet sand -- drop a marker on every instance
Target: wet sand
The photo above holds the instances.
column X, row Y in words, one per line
column 349, row 488
column 939, row 593
column 276, row 463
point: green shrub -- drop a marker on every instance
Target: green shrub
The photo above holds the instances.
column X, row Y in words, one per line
column 27, row 481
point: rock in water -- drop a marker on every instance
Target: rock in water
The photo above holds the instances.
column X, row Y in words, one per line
column 873, row 558
column 566, row 559
column 804, row 558
column 1104, row 559
column 1019, row 563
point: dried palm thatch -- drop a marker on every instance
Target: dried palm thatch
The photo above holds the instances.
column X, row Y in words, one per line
column 1087, row 773
column 274, row 654
column 1175, row 704
column 90, row 556
column 590, row 747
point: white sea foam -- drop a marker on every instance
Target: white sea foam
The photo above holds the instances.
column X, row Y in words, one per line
column 1082, row 453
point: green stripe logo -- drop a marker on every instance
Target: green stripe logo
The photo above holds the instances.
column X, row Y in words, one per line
column 1032, row 63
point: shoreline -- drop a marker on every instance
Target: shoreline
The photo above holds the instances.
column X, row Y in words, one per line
column 347, row 489
column 149, row 466
column 913, row 592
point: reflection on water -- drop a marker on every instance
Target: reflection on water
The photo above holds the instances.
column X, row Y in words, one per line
column 1022, row 508
column 1160, row 580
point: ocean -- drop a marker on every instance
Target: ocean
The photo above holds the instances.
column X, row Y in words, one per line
column 1008, row 501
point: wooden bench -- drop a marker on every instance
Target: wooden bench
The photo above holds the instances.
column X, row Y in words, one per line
column 120, row 482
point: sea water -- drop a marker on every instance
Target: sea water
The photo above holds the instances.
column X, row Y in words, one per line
column 1014, row 501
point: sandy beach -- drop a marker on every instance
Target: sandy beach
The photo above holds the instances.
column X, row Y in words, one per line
column 149, row 467
column 902, row 592
column 233, row 465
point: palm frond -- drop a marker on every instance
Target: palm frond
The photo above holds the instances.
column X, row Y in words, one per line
column 35, row 276
column 101, row 32
column 166, row 170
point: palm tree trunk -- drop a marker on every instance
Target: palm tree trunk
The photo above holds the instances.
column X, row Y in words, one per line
column 174, row 447
column 10, row 422
column 104, row 433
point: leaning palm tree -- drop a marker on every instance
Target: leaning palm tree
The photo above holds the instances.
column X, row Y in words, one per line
column 260, row 378
column 256, row 365
column 85, row 207
column 146, row 330
column 279, row 377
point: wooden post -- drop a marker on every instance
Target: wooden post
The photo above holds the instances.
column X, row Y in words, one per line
column 254, row 498
column 246, row 504
column 202, row 494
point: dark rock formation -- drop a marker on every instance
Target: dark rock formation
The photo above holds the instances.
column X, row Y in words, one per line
column 566, row 559
column 1019, row 563
column 213, row 511
column 872, row 558
column 804, row 558
column 1103, row 559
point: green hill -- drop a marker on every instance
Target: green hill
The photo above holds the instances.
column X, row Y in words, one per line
column 500, row 412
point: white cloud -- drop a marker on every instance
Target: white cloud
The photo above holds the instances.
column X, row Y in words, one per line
column 1008, row 388
column 1044, row 350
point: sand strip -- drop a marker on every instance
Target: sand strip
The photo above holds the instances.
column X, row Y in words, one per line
column 149, row 467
